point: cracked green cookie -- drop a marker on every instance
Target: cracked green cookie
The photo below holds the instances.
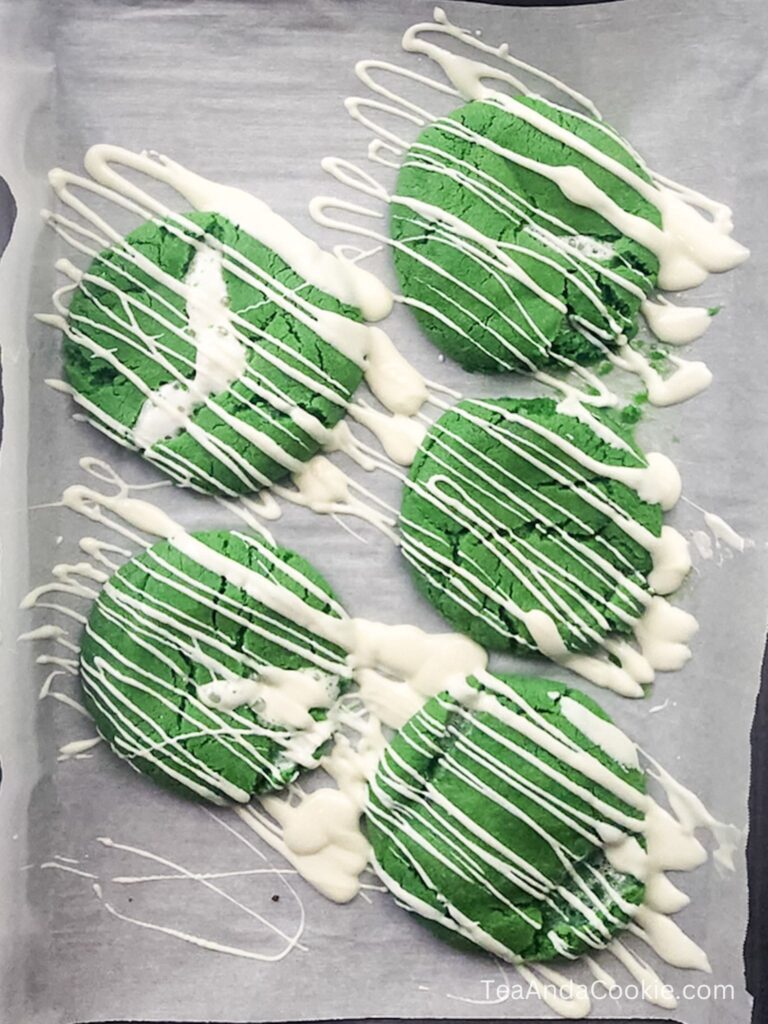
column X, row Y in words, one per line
column 523, row 523
column 199, row 685
column 489, row 812
column 198, row 346
column 499, row 243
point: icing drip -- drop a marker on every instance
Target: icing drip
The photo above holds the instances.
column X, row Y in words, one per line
column 320, row 836
column 675, row 325
column 689, row 378
column 720, row 534
column 722, row 531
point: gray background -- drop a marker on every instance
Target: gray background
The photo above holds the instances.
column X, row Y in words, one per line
column 251, row 93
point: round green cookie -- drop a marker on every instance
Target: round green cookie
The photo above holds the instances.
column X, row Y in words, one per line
column 214, row 372
column 509, row 509
column 199, row 685
column 502, row 269
column 481, row 824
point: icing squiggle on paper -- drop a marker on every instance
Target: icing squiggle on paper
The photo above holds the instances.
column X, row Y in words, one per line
column 121, row 856
column 692, row 241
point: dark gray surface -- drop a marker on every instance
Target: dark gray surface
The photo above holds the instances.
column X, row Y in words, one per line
column 7, row 220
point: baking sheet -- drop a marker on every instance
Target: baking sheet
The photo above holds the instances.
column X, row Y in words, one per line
column 251, row 94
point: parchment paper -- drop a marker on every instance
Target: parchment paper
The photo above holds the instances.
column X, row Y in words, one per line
column 251, row 94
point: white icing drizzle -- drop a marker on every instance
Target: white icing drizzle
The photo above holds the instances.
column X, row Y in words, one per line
column 281, row 696
column 688, row 245
column 661, row 631
column 668, row 840
column 340, row 278
column 693, row 240
column 559, row 993
column 396, row 668
column 418, row 663
column 221, row 337
column 77, row 748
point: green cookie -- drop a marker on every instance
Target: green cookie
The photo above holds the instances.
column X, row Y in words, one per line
column 199, row 685
column 481, row 824
column 501, row 516
column 196, row 345
column 503, row 271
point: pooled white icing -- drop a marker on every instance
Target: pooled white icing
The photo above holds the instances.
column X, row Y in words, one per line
column 219, row 357
column 400, row 436
column 675, row 325
column 320, row 836
column 281, row 696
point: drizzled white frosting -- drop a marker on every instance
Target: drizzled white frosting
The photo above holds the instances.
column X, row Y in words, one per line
column 327, row 845
column 460, row 467
column 688, row 245
column 692, row 241
column 646, row 846
column 221, row 337
column 396, row 668
column 340, row 278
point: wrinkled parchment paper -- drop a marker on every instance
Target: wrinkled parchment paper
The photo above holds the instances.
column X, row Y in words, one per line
column 251, row 93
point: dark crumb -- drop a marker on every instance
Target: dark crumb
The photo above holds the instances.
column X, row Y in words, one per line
column 275, row 899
